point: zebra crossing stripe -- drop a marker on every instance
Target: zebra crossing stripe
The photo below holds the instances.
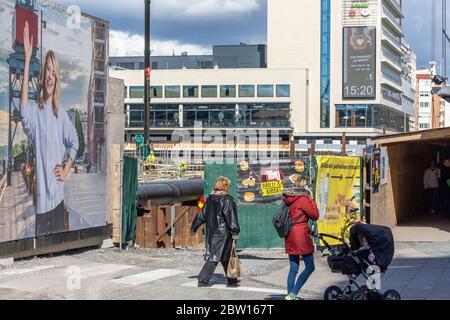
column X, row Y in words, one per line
column 147, row 277
column 24, row 271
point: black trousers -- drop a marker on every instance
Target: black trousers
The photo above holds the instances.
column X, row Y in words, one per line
column 208, row 270
column 51, row 221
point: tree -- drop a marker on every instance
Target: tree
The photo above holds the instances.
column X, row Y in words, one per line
column 80, row 133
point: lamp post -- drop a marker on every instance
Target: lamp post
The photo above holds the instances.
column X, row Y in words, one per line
column 147, row 73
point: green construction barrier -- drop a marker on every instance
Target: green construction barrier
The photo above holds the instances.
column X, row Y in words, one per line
column 255, row 221
column 129, row 188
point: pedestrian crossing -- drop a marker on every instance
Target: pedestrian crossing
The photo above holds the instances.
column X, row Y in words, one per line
column 105, row 274
column 146, row 277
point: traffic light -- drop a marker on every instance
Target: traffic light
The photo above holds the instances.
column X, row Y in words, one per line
column 147, row 72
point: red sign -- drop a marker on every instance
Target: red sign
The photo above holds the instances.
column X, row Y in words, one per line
column 23, row 15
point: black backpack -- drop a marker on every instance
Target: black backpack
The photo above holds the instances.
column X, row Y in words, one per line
column 282, row 222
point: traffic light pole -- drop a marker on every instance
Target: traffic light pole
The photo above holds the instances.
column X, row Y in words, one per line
column 147, row 73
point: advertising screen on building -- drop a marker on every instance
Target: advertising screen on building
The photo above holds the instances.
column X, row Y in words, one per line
column 359, row 63
column 52, row 157
column 263, row 182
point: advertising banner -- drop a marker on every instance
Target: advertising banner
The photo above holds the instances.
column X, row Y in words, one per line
column 52, row 152
column 376, row 170
column 359, row 63
column 384, row 166
column 337, row 191
column 263, row 182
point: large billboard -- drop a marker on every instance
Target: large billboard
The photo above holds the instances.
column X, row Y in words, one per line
column 338, row 192
column 359, row 63
column 52, row 165
column 263, row 182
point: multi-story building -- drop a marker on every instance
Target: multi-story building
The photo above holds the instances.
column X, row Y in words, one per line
column 424, row 99
column 332, row 67
column 225, row 56
column 431, row 110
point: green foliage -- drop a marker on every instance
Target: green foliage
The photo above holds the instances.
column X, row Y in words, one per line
column 80, row 133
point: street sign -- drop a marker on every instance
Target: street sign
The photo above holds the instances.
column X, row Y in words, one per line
column 139, row 139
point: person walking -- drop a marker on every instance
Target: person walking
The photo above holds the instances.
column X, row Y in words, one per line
column 431, row 178
column 302, row 207
column 222, row 228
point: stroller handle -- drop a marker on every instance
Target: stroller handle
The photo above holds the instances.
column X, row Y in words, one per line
column 324, row 235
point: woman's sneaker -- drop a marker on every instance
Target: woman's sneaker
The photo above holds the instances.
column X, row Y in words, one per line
column 291, row 297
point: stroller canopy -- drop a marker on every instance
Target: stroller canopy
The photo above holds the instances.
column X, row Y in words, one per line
column 380, row 240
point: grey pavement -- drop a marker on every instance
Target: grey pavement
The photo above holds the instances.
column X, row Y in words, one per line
column 16, row 211
column 85, row 197
column 419, row 271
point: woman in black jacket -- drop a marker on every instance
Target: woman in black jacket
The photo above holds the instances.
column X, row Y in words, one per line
column 222, row 226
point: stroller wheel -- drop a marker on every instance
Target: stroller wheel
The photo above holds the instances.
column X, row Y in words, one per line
column 391, row 295
column 332, row 293
column 358, row 295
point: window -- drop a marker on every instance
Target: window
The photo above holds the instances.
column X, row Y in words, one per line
column 137, row 92
column 354, row 116
column 265, row 90
column 246, row 91
column 126, row 65
column 228, row 91
column 424, row 105
column 125, row 92
column 325, row 54
column 190, row 91
column 172, row 92
column 164, row 116
column 209, row 91
column 424, row 126
column 283, row 90
column 156, row 92
column 264, row 115
column 136, row 116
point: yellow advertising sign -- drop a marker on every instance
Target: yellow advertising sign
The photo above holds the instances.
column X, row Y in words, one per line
column 338, row 188
column 271, row 188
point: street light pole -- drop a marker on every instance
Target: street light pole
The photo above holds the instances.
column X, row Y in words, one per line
column 147, row 73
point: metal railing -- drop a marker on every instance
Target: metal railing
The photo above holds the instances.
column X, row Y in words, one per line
column 392, row 57
column 392, row 37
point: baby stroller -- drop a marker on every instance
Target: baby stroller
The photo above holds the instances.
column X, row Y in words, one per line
column 356, row 259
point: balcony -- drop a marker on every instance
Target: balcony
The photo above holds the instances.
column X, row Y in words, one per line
column 394, row 60
column 393, row 21
column 395, row 5
column 393, row 41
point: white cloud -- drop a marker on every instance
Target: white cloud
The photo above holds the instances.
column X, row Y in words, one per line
column 126, row 44
column 172, row 8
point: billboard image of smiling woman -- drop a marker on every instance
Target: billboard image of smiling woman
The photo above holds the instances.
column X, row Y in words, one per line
column 52, row 94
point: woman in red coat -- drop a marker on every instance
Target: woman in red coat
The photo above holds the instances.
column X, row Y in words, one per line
column 302, row 207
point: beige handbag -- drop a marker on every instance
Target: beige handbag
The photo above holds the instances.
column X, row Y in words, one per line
column 234, row 265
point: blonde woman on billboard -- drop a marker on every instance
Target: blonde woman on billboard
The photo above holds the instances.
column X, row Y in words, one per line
column 54, row 137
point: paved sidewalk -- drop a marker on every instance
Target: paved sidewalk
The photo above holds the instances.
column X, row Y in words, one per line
column 419, row 271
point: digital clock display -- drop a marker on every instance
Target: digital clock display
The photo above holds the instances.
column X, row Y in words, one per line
column 359, row 54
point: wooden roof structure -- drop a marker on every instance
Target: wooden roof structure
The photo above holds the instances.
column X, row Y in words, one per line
column 440, row 135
